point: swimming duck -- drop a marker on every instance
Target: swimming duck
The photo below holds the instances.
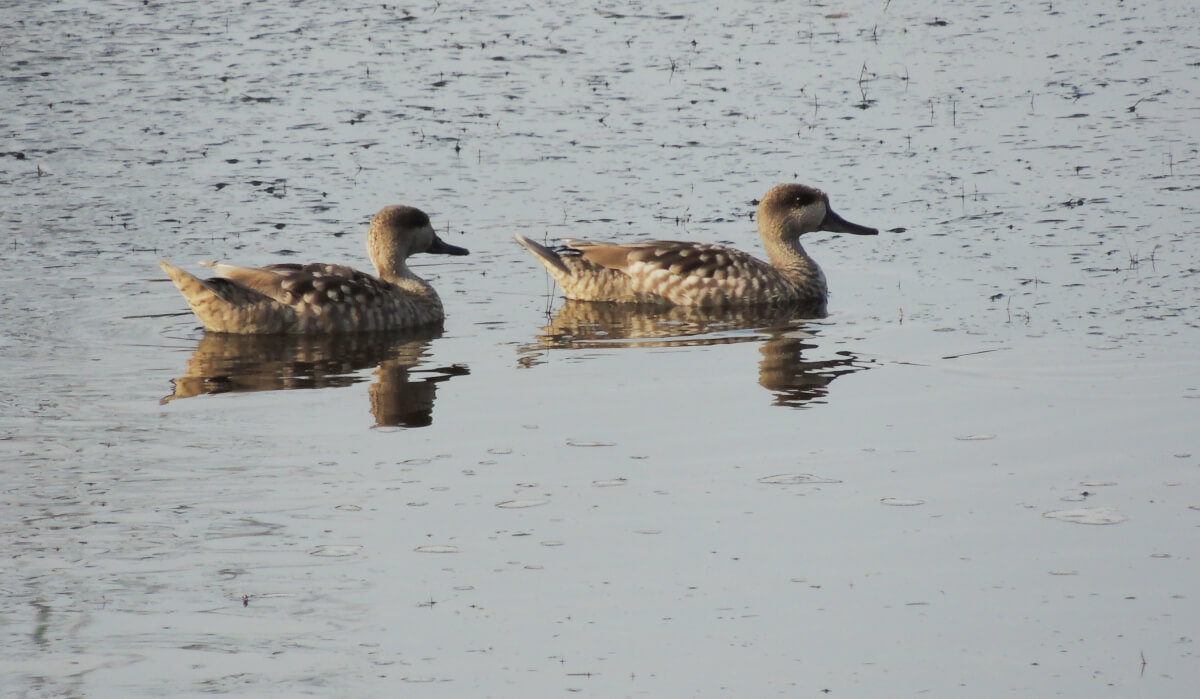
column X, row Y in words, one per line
column 702, row 274
column 323, row 298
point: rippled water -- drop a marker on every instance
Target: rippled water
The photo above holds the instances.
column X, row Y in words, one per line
column 899, row 498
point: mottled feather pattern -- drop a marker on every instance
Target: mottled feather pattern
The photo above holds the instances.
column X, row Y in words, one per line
column 323, row 298
column 669, row 272
column 336, row 283
column 697, row 259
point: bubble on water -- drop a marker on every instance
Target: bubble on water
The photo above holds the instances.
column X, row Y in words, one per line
column 901, row 502
column 349, row 508
column 1088, row 515
column 1097, row 484
column 520, row 504
column 335, row 550
column 436, row 548
column 499, row 451
column 796, row 479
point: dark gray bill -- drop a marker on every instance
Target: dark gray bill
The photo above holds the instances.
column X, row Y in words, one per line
column 441, row 247
column 837, row 224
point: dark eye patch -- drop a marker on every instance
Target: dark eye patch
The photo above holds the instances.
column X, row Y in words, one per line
column 408, row 217
column 806, row 197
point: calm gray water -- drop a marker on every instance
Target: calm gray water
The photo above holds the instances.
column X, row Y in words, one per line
column 979, row 476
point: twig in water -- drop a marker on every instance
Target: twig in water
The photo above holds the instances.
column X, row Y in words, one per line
column 968, row 354
column 862, row 86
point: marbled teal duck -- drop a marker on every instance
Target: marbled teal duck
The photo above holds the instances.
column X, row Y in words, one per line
column 323, row 298
column 702, row 274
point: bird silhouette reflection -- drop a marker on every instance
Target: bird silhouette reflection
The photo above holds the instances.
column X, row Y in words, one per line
column 402, row 393
column 784, row 335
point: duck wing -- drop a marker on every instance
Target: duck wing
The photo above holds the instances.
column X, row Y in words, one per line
column 682, row 259
column 291, row 283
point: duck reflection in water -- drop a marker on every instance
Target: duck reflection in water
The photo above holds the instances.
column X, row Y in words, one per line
column 782, row 331
column 402, row 394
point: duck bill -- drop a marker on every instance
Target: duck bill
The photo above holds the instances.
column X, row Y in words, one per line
column 441, row 247
column 837, row 224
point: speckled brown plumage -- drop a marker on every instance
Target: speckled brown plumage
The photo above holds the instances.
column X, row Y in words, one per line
column 702, row 274
column 324, row 298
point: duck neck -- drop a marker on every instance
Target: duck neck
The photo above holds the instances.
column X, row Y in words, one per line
column 392, row 267
column 405, row 278
column 788, row 255
column 417, row 290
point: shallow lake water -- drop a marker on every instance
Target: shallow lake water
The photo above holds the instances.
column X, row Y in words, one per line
column 978, row 476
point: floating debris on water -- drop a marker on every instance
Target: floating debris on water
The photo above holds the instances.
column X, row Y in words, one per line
column 519, row 504
column 610, row 483
column 335, row 551
column 436, row 548
column 796, row 479
column 584, row 443
column 1088, row 515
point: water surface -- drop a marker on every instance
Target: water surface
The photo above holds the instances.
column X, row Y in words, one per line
column 977, row 476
